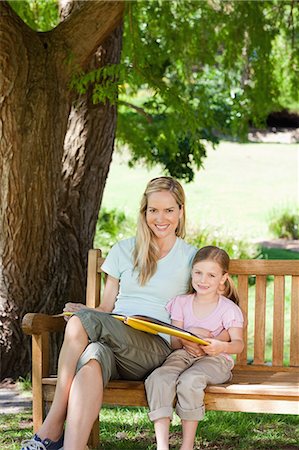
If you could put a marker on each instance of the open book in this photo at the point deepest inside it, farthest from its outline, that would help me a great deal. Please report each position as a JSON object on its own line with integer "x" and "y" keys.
{"x": 155, "y": 326}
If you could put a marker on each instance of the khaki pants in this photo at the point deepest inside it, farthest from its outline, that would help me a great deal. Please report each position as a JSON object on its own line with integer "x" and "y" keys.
{"x": 122, "y": 351}
{"x": 184, "y": 378}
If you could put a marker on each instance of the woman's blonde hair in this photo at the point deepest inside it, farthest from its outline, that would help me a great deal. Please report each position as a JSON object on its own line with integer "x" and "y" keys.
{"x": 146, "y": 253}
{"x": 218, "y": 255}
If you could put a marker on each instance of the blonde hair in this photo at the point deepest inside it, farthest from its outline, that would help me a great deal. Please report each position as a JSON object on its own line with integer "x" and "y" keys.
{"x": 146, "y": 252}
{"x": 218, "y": 255}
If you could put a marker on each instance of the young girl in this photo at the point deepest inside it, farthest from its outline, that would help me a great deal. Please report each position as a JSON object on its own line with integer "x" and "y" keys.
{"x": 210, "y": 310}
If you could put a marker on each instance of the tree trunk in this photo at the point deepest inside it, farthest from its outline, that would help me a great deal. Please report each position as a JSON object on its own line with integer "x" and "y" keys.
{"x": 54, "y": 159}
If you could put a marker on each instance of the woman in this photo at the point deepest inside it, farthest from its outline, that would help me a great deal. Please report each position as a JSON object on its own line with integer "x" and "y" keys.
{"x": 143, "y": 274}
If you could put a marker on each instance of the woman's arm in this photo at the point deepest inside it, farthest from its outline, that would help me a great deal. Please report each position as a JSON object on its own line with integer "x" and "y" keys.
{"x": 108, "y": 300}
{"x": 109, "y": 295}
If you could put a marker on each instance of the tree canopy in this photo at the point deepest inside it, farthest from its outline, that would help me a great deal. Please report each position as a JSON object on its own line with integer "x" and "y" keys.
{"x": 192, "y": 71}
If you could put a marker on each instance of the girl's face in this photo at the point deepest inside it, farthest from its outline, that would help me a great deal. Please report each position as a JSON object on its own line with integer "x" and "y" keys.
{"x": 163, "y": 214}
{"x": 207, "y": 278}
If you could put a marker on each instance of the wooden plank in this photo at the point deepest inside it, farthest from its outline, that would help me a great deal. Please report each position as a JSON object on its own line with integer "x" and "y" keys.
{"x": 260, "y": 320}
{"x": 45, "y": 355}
{"x": 278, "y": 321}
{"x": 37, "y": 368}
{"x": 37, "y": 323}
{"x": 294, "y": 338}
{"x": 243, "y": 294}
{"x": 94, "y": 437}
{"x": 264, "y": 267}
{"x": 93, "y": 279}
{"x": 261, "y": 405}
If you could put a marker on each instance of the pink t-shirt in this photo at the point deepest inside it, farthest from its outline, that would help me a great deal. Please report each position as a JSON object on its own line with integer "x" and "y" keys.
{"x": 226, "y": 314}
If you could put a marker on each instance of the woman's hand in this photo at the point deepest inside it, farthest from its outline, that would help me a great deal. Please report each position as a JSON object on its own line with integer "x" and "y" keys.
{"x": 72, "y": 308}
{"x": 201, "y": 332}
{"x": 192, "y": 348}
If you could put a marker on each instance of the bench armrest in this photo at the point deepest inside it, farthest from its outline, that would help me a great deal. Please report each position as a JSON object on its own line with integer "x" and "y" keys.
{"x": 36, "y": 323}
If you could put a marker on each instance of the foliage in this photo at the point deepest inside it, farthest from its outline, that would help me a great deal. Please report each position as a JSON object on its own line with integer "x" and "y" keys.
{"x": 112, "y": 226}
{"x": 237, "y": 248}
{"x": 285, "y": 224}
{"x": 41, "y": 15}
{"x": 192, "y": 71}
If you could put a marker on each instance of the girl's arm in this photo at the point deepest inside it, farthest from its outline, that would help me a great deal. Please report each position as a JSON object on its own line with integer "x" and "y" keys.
{"x": 108, "y": 300}
{"x": 235, "y": 345}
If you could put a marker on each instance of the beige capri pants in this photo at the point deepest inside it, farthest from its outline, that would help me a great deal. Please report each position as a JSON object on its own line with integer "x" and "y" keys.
{"x": 121, "y": 351}
{"x": 183, "y": 377}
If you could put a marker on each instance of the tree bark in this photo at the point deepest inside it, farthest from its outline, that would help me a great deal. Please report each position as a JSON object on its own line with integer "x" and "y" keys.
{"x": 55, "y": 152}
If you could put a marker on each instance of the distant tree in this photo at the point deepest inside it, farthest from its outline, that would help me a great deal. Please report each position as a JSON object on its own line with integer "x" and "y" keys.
{"x": 188, "y": 71}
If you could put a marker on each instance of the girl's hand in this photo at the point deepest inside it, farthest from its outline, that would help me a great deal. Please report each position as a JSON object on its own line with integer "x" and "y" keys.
{"x": 214, "y": 348}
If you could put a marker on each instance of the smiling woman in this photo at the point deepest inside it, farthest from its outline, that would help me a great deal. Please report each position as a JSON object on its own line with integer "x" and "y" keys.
{"x": 143, "y": 273}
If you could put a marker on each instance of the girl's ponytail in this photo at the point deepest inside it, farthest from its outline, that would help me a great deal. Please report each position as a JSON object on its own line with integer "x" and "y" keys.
{"x": 230, "y": 290}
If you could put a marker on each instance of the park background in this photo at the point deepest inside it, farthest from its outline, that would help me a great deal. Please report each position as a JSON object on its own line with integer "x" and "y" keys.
{"x": 232, "y": 196}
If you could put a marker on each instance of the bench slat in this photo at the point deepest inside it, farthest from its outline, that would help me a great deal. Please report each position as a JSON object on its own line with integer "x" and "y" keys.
{"x": 278, "y": 320}
{"x": 260, "y": 319}
{"x": 263, "y": 267}
{"x": 294, "y": 338}
{"x": 243, "y": 294}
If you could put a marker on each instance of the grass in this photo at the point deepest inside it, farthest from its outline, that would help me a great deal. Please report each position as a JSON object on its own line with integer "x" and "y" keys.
{"x": 238, "y": 189}
{"x": 278, "y": 253}
{"x": 130, "y": 429}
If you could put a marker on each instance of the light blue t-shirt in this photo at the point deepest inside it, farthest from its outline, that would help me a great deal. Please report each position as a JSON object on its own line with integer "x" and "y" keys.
{"x": 170, "y": 279}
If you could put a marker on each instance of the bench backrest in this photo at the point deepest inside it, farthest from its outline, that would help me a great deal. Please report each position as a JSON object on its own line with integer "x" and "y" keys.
{"x": 272, "y": 309}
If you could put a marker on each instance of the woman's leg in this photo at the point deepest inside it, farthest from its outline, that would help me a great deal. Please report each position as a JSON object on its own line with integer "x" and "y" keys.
{"x": 75, "y": 341}
{"x": 189, "y": 432}
{"x": 85, "y": 401}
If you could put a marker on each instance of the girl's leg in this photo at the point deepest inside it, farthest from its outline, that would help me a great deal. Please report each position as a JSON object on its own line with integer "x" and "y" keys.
{"x": 162, "y": 433}
{"x": 189, "y": 432}
{"x": 85, "y": 401}
{"x": 75, "y": 341}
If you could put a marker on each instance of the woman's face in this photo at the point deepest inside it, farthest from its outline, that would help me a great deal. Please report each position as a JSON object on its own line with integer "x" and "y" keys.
{"x": 163, "y": 214}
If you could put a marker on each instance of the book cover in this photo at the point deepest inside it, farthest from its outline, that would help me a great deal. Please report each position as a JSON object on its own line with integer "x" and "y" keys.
{"x": 155, "y": 326}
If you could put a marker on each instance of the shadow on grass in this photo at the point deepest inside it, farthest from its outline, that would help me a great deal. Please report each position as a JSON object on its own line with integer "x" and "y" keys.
{"x": 277, "y": 253}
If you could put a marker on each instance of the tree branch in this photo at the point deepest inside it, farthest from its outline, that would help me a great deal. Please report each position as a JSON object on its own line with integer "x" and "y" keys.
{"x": 140, "y": 111}
{"x": 87, "y": 26}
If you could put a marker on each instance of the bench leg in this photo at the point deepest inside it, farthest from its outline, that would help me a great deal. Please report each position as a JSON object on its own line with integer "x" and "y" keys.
{"x": 94, "y": 438}
{"x": 37, "y": 369}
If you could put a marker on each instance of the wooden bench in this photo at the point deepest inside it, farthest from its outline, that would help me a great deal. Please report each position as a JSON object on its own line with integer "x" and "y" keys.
{"x": 258, "y": 385}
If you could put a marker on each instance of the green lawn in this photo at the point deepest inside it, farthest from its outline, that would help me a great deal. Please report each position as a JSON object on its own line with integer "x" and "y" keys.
{"x": 130, "y": 429}
{"x": 238, "y": 189}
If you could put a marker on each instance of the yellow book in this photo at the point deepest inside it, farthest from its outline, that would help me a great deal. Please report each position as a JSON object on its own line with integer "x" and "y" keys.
{"x": 155, "y": 326}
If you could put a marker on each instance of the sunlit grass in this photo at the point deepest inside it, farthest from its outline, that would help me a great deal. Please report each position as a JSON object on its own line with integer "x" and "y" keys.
{"x": 130, "y": 429}
{"x": 237, "y": 191}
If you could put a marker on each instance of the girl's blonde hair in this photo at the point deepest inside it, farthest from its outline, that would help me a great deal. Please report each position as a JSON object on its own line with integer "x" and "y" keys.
{"x": 216, "y": 254}
{"x": 146, "y": 252}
